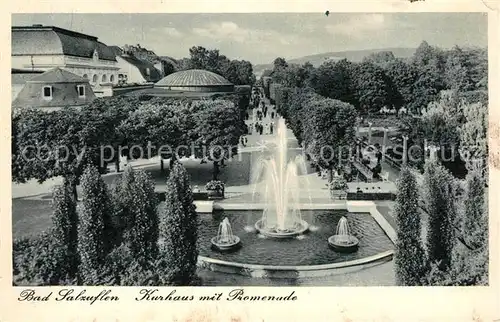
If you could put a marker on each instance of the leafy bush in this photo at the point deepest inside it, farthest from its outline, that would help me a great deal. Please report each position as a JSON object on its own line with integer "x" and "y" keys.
{"x": 215, "y": 185}
{"x": 39, "y": 260}
{"x": 338, "y": 183}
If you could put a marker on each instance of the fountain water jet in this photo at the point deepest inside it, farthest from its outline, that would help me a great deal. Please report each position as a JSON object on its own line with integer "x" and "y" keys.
{"x": 343, "y": 241}
{"x": 278, "y": 179}
{"x": 225, "y": 239}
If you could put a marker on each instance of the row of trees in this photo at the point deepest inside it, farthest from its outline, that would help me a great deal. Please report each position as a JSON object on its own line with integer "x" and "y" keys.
{"x": 455, "y": 248}
{"x": 63, "y": 143}
{"x": 322, "y": 125}
{"x": 382, "y": 80}
{"x": 457, "y": 124}
{"x": 115, "y": 236}
{"x": 238, "y": 72}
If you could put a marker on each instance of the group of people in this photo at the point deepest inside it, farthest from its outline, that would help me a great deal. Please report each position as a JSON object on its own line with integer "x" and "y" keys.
{"x": 268, "y": 128}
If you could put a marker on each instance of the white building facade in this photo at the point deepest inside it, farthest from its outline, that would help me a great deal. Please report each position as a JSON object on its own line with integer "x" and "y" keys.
{"x": 41, "y": 48}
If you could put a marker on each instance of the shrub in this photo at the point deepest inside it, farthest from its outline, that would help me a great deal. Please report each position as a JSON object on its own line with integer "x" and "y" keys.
{"x": 214, "y": 185}
{"x": 39, "y": 261}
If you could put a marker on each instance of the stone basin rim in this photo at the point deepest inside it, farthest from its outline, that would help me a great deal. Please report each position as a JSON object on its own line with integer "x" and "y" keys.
{"x": 357, "y": 262}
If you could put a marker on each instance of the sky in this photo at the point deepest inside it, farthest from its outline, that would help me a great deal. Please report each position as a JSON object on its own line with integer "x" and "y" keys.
{"x": 260, "y": 38}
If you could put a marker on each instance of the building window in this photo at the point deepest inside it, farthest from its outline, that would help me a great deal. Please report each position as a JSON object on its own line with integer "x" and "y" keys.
{"x": 94, "y": 78}
{"x": 104, "y": 78}
{"x": 47, "y": 92}
{"x": 112, "y": 78}
{"x": 85, "y": 76}
{"x": 81, "y": 90}
{"x": 148, "y": 72}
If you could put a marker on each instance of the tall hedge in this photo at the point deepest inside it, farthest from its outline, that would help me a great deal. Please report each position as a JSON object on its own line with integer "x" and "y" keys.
{"x": 94, "y": 226}
{"x": 410, "y": 260}
{"x": 65, "y": 220}
{"x": 440, "y": 205}
{"x": 179, "y": 229}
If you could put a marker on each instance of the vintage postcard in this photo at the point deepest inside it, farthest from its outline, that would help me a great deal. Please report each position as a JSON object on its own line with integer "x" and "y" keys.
{"x": 248, "y": 163}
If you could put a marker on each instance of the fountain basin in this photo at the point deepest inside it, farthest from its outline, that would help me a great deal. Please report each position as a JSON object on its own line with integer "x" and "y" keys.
{"x": 221, "y": 244}
{"x": 301, "y": 227}
{"x": 343, "y": 244}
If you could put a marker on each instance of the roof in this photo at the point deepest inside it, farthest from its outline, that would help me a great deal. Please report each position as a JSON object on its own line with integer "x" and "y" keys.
{"x": 50, "y": 40}
{"x": 193, "y": 77}
{"x": 142, "y": 65}
{"x": 116, "y": 50}
{"x": 57, "y": 75}
{"x": 172, "y": 93}
{"x": 20, "y": 77}
{"x": 64, "y": 90}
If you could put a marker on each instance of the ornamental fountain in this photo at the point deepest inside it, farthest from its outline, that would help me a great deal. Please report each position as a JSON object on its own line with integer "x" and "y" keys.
{"x": 277, "y": 178}
{"x": 225, "y": 239}
{"x": 343, "y": 241}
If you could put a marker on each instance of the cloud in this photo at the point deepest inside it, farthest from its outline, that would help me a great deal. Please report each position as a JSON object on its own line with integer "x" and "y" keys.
{"x": 359, "y": 25}
{"x": 168, "y": 31}
{"x": 225, "y": 30}
{"x": 172, "y": 32}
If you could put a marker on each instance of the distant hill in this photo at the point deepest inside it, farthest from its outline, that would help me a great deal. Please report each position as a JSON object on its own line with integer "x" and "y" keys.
{"x": 351, "y": 55}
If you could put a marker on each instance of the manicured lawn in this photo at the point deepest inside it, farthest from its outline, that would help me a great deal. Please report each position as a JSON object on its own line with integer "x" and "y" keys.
{"x": 30, "y": 217}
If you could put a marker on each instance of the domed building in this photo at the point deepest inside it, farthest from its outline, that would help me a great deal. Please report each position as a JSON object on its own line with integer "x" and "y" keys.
{"x": 195, "y": 80}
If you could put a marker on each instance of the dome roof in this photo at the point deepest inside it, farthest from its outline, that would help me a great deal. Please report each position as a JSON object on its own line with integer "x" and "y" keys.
{"x": 195, "y": 78}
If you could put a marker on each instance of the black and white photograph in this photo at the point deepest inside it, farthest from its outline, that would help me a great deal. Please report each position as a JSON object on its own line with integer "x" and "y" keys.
{"x": 249, "y": 149}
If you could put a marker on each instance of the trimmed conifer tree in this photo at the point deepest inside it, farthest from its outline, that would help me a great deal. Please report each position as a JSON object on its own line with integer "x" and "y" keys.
{"x": 475, "y": 223}
{"x": 410, "y": 260}
{"x": 94, "y": 226}
{"x": 179, "y": 229}
{"x": 440, "y": 206}
{"x": 143, "y": 236}
{"x": 123, "y": 198}
{"x": 64, "y": 232}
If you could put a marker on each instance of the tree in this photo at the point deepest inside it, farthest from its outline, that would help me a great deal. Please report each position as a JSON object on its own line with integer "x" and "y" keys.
{"x": 279, "y": 63}
{"x": 410, "y": 261}
{"x": 440, "y": 205}
{"x": 240, "y": 72}
{"x": 65, "y": 233}
{"x": 64, "y": 142}
{"x": 373, "y": 89}
{"x": 328, "y": 131}
{"x": 143, "y": 236}
{"x": 381, "y": 58}
{"x": 475, "y": 222}
{"x": 293, "y": 75}
{"x": 211, "y": 60}
{"x": 403, "y": 76}
{"x": 94, "y": 226}
{"x": 179, "y": 229}
{"x": 219, "y": 126}
{"x": 335, "y": 80}
{"x": 473, "y": 136}
{"x": 158, "y": 124}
